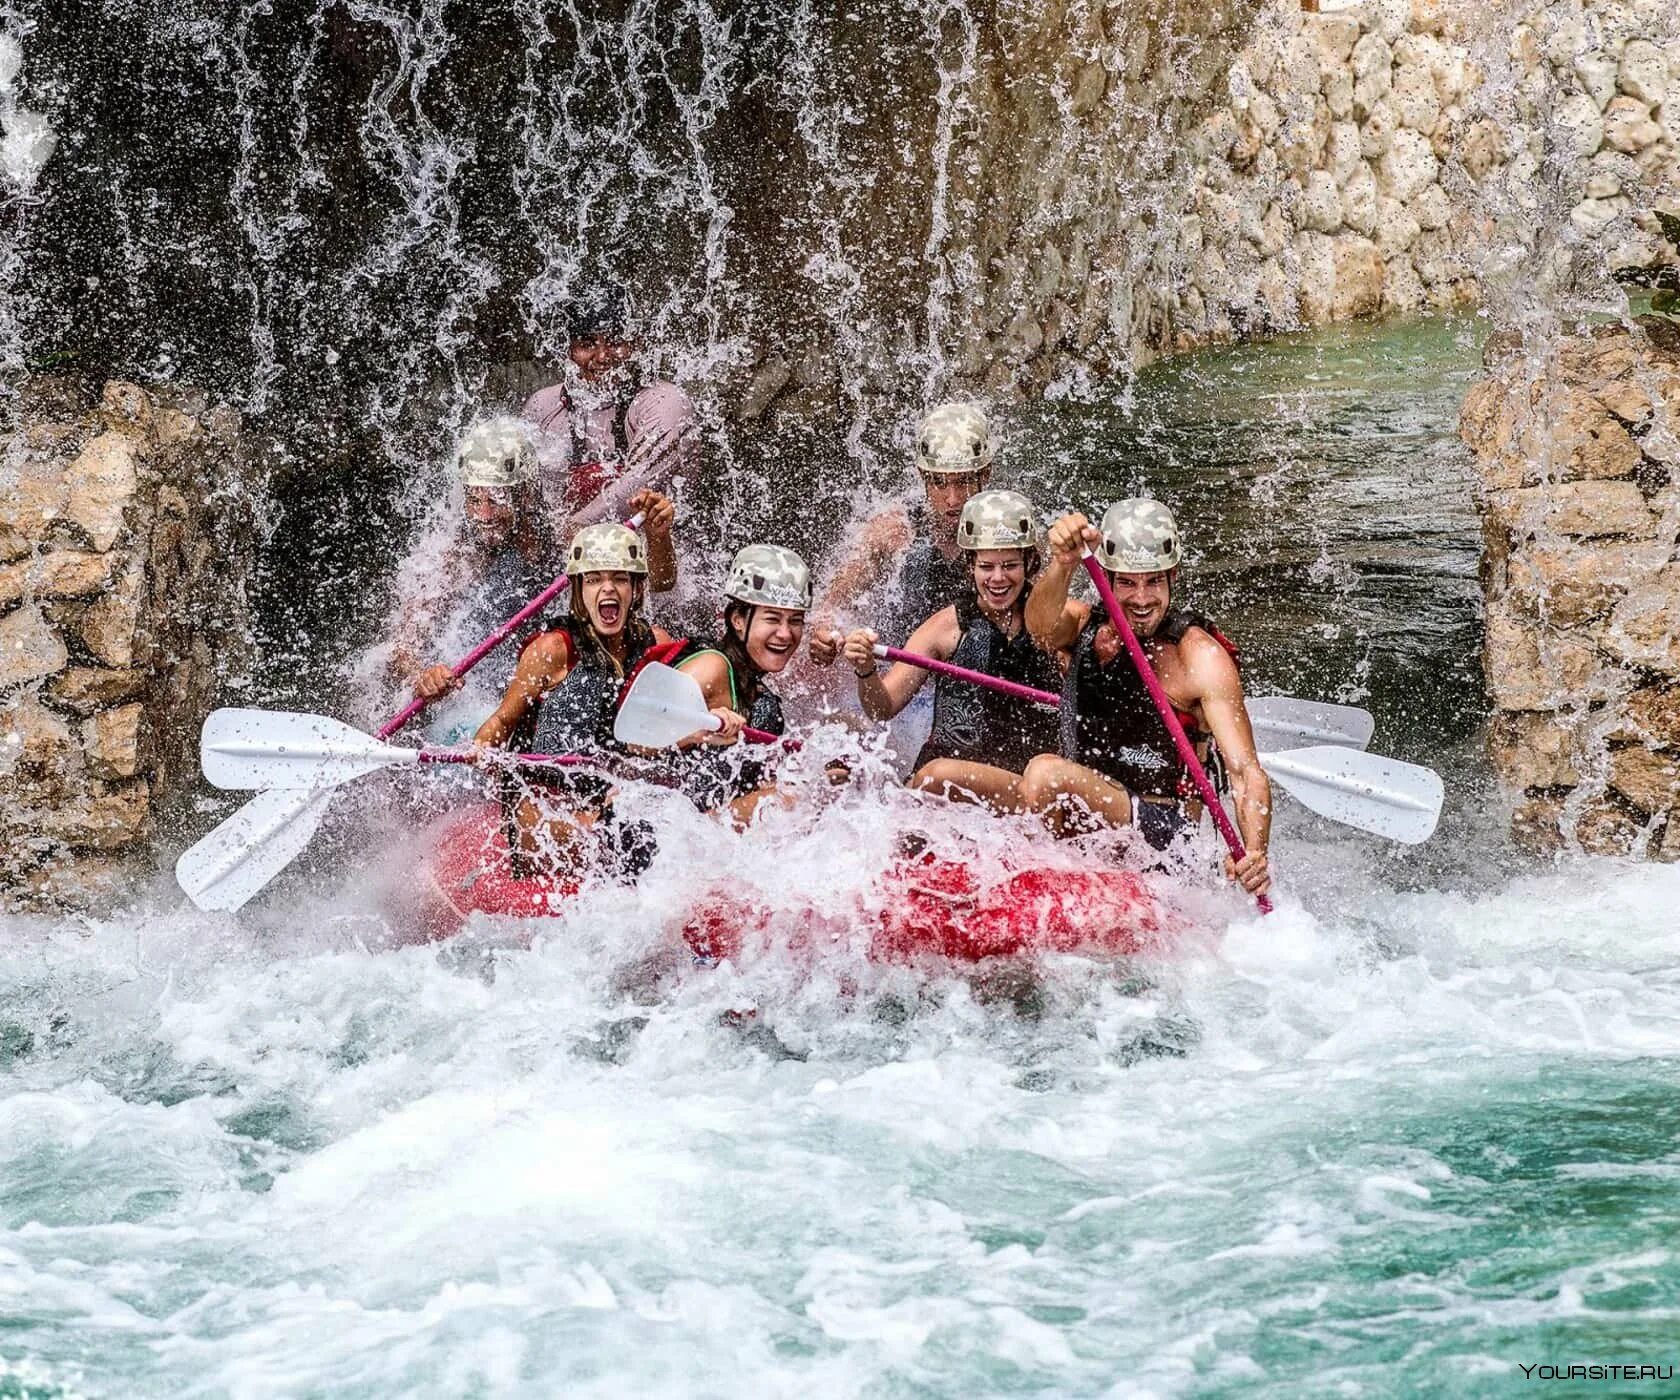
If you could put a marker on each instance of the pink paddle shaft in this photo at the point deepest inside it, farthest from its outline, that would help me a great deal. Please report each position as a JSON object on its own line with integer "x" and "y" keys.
{"x": 1181, "y": 740}
{"x": 488, "y": 645}
{"x": 541, "y": 760}
{"x": 980, "y": 678}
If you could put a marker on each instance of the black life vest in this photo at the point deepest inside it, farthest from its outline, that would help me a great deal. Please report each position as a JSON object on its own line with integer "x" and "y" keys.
{"x": 577, "y": 715}
{"x": 506, "y": 584}
{"x": 977, "y": 725}
{"x": 713, "y": 776}
{"x": 927, "y": 580}
{"x": 1109, "y": 723}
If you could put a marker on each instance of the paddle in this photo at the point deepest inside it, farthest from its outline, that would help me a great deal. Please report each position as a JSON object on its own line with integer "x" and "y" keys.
{"x": 1279, "y": 721}
{"x": 1163, "y": 707}
{"x": 242, "y": 748}
{"x": 1384, "y": 796}
{"x": 663, "y": 706}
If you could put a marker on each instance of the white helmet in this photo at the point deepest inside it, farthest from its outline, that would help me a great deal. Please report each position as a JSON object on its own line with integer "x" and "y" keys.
{"x": 766, "y": 575}
{"x": 498, "y": 453}
{"x": 608, "y": 548}
{"x": 997, "y": 520}
{"x": 1139, "y": 536}
{"x": 955, "y": 437}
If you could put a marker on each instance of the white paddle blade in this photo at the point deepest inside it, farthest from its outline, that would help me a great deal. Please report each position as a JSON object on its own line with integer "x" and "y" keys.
{"x": 1384, "y": 796}
{"x": 1281, "y": 722}
{"x": 274, "y": 749}
{"x": 663, "y": 706}
{"x": 224, "y": 869}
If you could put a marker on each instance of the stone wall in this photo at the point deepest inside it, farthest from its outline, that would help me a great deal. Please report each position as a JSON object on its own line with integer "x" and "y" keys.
{"x": 1372, "y": 156}
{"x": 1577, "y": 444}
{"x": 124, "y": 537}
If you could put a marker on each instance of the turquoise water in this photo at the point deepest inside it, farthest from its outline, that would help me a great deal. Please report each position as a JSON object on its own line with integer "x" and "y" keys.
{"x": 1414, "y": 1131}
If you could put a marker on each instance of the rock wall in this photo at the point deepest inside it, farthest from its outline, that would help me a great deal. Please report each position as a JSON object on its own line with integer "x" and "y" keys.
{"x": 1577, "y": 441}
{"x": 124, "y": 536}
{"x": 1371, "y": 157}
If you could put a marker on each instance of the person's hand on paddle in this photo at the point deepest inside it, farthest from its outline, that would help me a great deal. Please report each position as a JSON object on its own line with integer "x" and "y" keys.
{"x": 1253, "y": 872}
{"x": 435, "y": 682}
{"x": 730, "y": 731}
{"x": 1071, "y": 535}
{"x": 825, "y": 642}
{"x": 860, "y": 651}
{"x": 657, "y": 513}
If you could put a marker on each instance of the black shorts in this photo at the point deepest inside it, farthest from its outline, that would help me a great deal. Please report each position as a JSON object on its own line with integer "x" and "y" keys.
{"x": 1160, "y": 822}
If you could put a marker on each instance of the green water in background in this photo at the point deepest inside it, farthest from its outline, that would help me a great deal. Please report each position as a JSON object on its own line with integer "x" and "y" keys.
{"x": 1418, "y": 1127}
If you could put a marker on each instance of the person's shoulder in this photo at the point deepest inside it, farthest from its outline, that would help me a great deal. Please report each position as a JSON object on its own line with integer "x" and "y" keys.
{"x": 545, "y": 403}
{"x": 1205, "y": 654}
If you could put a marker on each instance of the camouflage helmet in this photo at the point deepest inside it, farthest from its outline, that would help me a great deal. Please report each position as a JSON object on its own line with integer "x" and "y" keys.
{"x": 766, "y": 575}
{"x": 606, "y": 548}
{"x": 1139, "y": 536}
{"x": 997, "y": 520}
{"x": 499, "y": 453}
{"x": 955, "y": 437}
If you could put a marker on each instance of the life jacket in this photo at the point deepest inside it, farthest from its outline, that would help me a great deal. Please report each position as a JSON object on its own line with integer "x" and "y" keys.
{"x": 976, "y": 725}
{"x": 507, "y": 583}
{"x": 712, "y": 776}
{"x": 1109, "y": 723}
{"x": 927, "y": 580}
{"x": 594, "y": 465}
{"x": 577, "y": 715}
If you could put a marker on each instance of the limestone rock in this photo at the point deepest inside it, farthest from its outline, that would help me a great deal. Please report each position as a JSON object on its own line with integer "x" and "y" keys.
{"x": 1322, "y": 206}
{"x": 84, "y": 689}
{"x": 62, "y": 574}
{"x": 1359, "y": 201}
{"x": 1481, "y": 148}
{"x": 1338, "y": 94}
{"x": 1343, "y": 153}
{"x": 1643, "y": 72}
{"x": 1403, "y": 291}
{"x": 1390, "y": 17}
{"x": 1376, "y": 131}
{"x": 1428, "y": 16}
{"x": 126, "y": 408}
{"x": 1336, "y": 35}
{"x": 103, "y": 821}
{"x": 1534, "y": 750}
{"x": 1590, "y": 509}
{"x": 1628, "y": 125}
{"x": 1316, "y": 277}
{"x": 29, "y": 648}
{"x": 1369, "y": 91}
{"x": 1648, "y": 778}
{"x": 1645, "y": 627}
{"x": 1415, "y": 98}
{"x": 1652, "y": 714}
{"x": 1410, "y": 166}
{"x": 1537, "y": 824}
{"x": 111, "y": 741}
{"x": 1568, "y": 584}
{"x": 100, "y": 483}
{"x": 1274, "y": 232}
{"x": 1524, "y": 675}
{"x": 1572, "y": 435}
{"x": 1359, "y": 279}
{"x": 1397, "y": 230}
{"x": 1604, "y": 828}
{"x": 1371, "y": 54}
{"x": 1596, "y": 71}
{"x": 1579, "y": 126}
{"x": 1431, "y": 208}
{"x": 33, "y": 740}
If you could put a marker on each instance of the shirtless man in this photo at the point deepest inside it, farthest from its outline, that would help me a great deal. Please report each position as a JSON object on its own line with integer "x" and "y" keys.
{"x": 1118, "y": 765}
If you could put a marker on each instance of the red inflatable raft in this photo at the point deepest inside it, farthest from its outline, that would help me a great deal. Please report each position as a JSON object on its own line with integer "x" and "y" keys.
{"x": 925, "y": 906}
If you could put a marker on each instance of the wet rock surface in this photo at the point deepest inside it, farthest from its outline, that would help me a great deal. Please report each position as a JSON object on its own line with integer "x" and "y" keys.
{"x": 1582, "y": 583}
{"x": 128, "y": 534}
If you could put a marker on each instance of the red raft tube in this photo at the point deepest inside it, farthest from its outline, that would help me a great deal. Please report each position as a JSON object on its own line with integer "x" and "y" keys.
{"x": 926, "y": 907}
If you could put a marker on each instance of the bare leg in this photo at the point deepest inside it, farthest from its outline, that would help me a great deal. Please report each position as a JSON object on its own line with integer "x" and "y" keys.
{"x": 560, "y": 839}
{"x": 741, "y": 810}
{"x": 1065, "y": 793}
{"x": 977, "y": 783}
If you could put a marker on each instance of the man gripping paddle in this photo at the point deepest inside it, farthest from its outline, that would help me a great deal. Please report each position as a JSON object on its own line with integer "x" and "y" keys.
{"x": 1118, "y": 765}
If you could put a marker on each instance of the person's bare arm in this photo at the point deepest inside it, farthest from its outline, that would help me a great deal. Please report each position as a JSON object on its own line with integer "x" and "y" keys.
{"x": 712, "y": 672}
{"x": 658, "y": 513}
{"x": 542, "y": 666}
{"x": 1054, "y": 619}
{"x": 884, "y": 693}
{"x": 884, "y": 536}
{"x": 1214, "y": 678}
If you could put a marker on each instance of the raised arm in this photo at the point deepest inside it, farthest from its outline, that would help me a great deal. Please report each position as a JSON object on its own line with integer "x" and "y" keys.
{"x": 658, "y": 513}
{"x": 1054, "y": 619}
{"x": 542, "y": 666}
{"x": 1219, "y": 689}
{"x": 882, "y": 537}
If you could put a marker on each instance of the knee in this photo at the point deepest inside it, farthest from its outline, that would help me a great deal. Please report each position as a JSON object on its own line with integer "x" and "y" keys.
{"x": 1038, "y": 786}
{"x": 931, "y": 777}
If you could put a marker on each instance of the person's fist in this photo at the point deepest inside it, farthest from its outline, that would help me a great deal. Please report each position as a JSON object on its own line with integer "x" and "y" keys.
{"x": 656, "y": 511}
{"x": 1071, "y": 534}
{"x": 824, "y": 645}
{"x": 1253, "y": 872}
{"x": 435, "y": 682}
{"x": 860, "y": 651}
